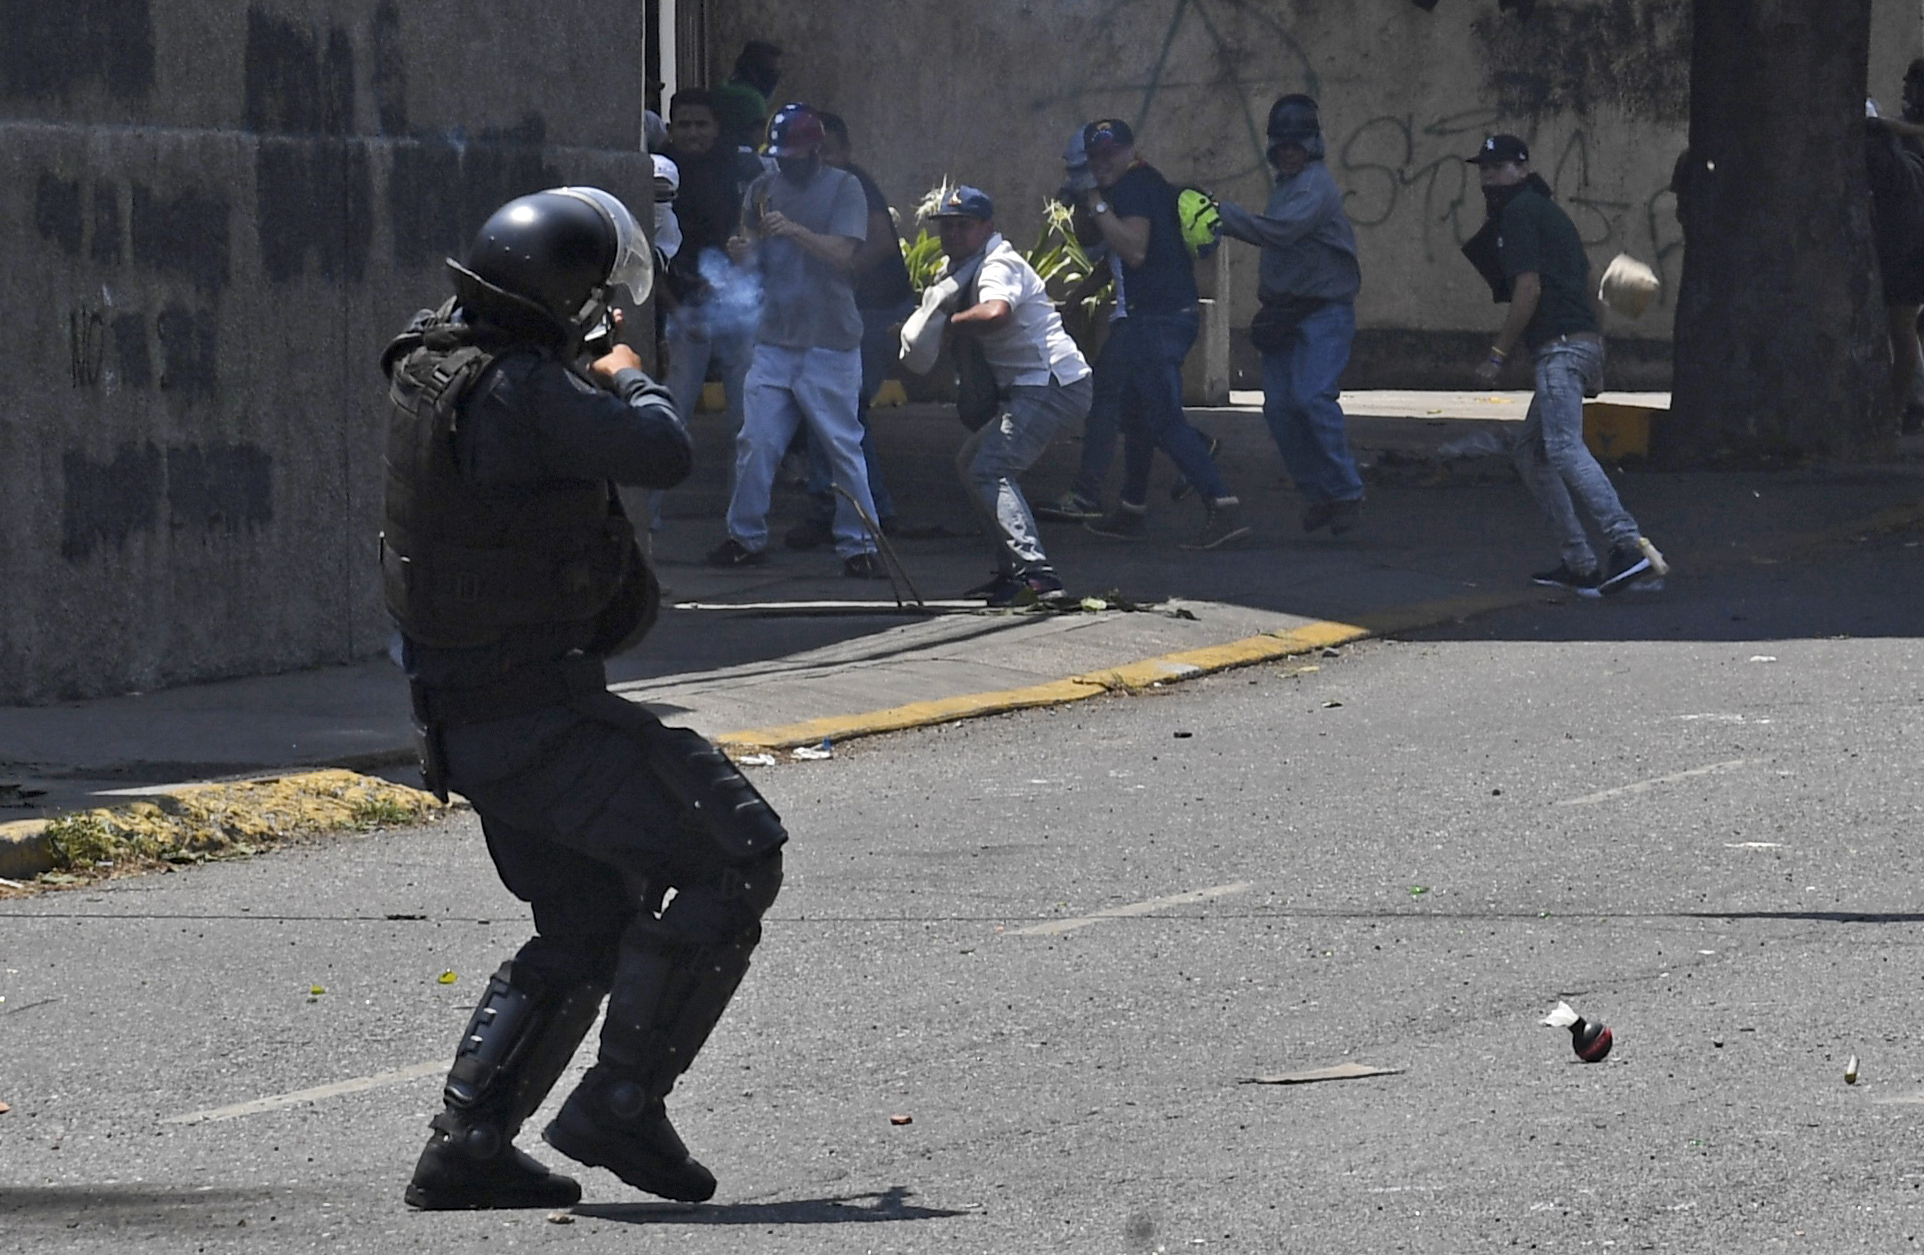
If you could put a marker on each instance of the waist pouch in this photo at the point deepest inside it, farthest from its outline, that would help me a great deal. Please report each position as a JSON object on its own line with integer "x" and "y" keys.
{"x": 1277, "y": 320}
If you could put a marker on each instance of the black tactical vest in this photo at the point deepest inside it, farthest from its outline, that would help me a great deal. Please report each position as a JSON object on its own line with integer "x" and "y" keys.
{"x": 464, "y": 563}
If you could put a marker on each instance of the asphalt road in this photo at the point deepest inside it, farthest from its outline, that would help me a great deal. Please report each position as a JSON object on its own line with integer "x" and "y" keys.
{"x": 1693, "y": 815}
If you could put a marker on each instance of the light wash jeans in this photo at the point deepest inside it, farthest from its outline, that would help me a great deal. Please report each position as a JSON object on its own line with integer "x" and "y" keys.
{"x": 1300, "y": 386}
{"x": 1002, "y": 449}
{"x": 1553, "y": 460}
{"x": 692, "y": 344}
{"x": 881, "y": 342}
{"x": 786, "y": 388}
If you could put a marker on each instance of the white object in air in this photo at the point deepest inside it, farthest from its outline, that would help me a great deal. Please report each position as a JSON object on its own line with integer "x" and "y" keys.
{"x": 1628, "y": 286}
{"x": 1561, "y": 1016}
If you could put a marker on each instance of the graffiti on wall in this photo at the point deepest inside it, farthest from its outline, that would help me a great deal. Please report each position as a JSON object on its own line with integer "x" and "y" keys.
{"x": 1399, "y": 174}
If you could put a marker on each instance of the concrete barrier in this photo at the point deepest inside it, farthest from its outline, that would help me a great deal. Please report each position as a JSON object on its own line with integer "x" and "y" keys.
{"x": 223, "y": 211}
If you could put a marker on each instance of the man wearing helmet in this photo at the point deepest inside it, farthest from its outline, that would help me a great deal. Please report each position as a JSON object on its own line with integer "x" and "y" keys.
{"x": 802, "y": 225}
{"x": 512, "y": 573}
{"x": 1309, "y": 281}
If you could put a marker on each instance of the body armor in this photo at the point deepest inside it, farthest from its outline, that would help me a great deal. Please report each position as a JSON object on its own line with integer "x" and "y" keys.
{"x": 461, "y": 562}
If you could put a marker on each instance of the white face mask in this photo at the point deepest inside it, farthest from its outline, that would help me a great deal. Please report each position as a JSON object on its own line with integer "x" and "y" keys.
{"x": 667, "y": 229}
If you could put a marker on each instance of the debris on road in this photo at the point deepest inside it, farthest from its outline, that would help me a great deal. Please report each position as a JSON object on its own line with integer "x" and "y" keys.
{"x": 815, "y": 752}
{"x": 1331, "y": 705}
{"x": 1850, "y": 1071}
{"x": 315, "y": 991}
{"x": 1184, "y": 736}
{"x": 4, "y": 1109}
{"x": 561, "y": 1217}
{"x": 901, "y": 1120}
{"x": 1335, "y": 1072}
{"x": 1417, "y": 891}
{"x": 756, "y": 760}
{"x": 1763, "y": 657}
{"x": 1591, "y": 1041}
{"x": 446, "y": 978}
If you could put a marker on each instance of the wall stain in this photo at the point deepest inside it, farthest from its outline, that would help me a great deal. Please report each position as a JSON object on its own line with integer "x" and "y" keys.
{"x": 189, "y": 351}
{"x": 390, "y": 74}
{"x": 131, "y": 354}
{"x": 294, "y": 83}
{"x": 315, "y": 197}
{"x": 185, "y": 235}
{"x": 53, "y": 48}
{"x": 1632, "y": 55}
{"x": 106, "y": 502}
{"x": 441, "y": 189}
{"x": 225, "y": 487}
{"x": 87, "y": 344}
{"x": 56, "y": 211}
{"x": 107, "y": 243}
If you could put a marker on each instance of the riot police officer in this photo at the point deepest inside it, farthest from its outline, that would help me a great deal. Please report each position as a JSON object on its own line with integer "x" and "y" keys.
{"x": 512, "y": 573}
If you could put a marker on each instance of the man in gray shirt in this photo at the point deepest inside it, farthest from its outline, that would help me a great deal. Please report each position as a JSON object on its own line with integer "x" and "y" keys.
{"x": 1309, "y": 281}
{"x": 801, "y": 226}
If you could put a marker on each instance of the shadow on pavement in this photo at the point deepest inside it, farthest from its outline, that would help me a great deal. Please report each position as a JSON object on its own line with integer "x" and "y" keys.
{"x": 117, "y": 1206}
{"x": 891, "y": 1204}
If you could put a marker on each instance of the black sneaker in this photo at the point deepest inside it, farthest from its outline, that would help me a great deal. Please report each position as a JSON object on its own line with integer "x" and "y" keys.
{"x": 809, "y": 534}
{"x": 733, "y": 553}
{"x": 865, "y": 566}
{"x": 1121, "y": 523}
{"x": 1037, "y": 584}
{"x": 1318, "y": 514}
{"x": 991, "y": 586}
{"x": 1625, "y": 565}
{"x": 1223, "y": 525}
{"x": 1182, "y": 487}
{"x": 1344, "y": 515}
{"x": 1582, "y": 583}
{"x": 1070, "y": 507}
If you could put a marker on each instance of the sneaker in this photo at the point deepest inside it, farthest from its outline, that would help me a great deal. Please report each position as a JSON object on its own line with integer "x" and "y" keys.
{"x": 865, "y": 566}
{"x": 993, "y": 588}
{"x": 1035, "y": 585}
{"x": 809, "y": 534}
{"x": 1626, "y": 563}
{"x": 1582, "y": 583}
{"x": 1182, "y": 487}
{"x": 1318, "y": 514}
{"x": 1222, "y": 525}
{"x": 1344, "y": 515}
{"x": 733, "y": 553}
{"x": 1070, "y": 507}
{"x": 1121, "y": 523}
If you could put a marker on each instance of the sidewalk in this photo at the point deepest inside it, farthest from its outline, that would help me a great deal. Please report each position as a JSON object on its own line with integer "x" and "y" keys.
{"x": 751, "y": 654}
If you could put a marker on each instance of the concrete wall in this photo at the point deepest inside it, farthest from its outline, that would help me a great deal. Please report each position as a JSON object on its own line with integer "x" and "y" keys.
{"x": 989, "y": 92}
{"x": 219, "y": 211}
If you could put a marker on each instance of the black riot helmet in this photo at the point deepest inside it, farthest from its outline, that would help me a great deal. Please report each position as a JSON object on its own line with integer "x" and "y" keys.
{"x": 552, "y": 260}
{"x": 1293, "y": 120}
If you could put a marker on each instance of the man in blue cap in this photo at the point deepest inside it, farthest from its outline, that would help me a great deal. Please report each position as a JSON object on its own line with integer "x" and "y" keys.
{"x": 1133, "y": 208}
{"x": 1309, "y": 281}
{"x": 1041, "y": 377}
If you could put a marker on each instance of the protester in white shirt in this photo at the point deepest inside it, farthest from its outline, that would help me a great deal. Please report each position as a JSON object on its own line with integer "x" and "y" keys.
{"x": 1042, "y": 380}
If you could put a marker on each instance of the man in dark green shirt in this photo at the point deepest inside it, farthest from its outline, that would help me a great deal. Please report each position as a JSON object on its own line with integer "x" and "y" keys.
{"x": 1532, "y": 257}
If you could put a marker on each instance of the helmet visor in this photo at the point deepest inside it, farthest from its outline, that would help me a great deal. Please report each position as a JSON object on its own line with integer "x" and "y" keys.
{"x": 634, "y": 266}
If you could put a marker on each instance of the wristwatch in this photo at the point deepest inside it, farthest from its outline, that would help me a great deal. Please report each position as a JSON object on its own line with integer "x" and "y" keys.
{"x": 1099, "y": 208}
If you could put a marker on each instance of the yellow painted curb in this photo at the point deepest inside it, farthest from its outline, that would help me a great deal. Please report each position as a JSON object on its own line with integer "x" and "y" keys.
{"x": 1129, "y": 677}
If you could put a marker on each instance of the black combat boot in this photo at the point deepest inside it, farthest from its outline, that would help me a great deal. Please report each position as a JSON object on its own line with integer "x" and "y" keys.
{"x": 516, "y": 1046}
{"x": 613, "y": 1121}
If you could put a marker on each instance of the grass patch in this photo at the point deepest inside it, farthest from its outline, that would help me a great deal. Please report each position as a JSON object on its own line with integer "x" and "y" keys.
{"x": 216, "y": 821}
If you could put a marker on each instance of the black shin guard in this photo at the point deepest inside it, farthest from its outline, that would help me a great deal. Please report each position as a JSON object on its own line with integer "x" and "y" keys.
{"x": 667, "y": 998}
{"x": 516, "y": 1046}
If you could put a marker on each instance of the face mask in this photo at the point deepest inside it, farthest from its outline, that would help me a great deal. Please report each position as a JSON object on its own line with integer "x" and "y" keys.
{"x": 798, "y": 169}
{"x": 1495, "y": 198}
{"x": 667, "y": 229}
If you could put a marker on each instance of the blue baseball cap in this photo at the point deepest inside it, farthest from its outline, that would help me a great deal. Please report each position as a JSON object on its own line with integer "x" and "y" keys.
{"x": 966, "y": 202}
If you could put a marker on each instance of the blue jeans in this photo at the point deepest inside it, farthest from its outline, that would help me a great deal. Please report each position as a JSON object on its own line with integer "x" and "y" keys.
{"x": 1300, "y": 385}
{"x": 1553, "y": 460}
{"x": 1105, "y": 415}
{"x": 1002, "y": 449}
{"x": 1150, "y": 357}
{"x": 881, "y": 343}
{"x": 787, "y": 388}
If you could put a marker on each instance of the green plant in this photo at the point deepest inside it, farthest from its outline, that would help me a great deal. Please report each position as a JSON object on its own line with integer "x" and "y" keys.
{"x": 1057, "y": 256}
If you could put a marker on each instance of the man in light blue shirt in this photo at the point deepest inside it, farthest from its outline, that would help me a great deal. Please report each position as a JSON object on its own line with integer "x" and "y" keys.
{"x": 1309, "y": 281}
